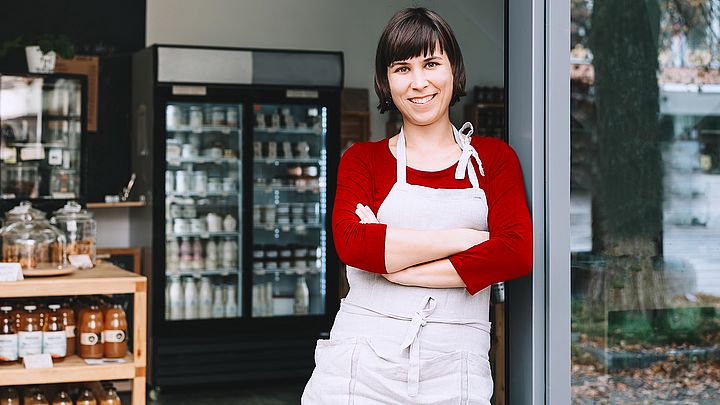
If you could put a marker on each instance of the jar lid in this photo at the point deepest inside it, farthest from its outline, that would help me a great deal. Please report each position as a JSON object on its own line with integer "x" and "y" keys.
{"x": 72, "y": 210}
{"x": 24, "y": 212}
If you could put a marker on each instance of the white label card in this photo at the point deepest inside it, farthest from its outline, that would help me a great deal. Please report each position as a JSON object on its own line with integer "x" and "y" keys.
{"x": 10, "y": 272}
{"x": 55, "y": 157}
{"x": 32, "y": 153}
{"x": 80, "y": 261}
{"x": 38, "y": 361}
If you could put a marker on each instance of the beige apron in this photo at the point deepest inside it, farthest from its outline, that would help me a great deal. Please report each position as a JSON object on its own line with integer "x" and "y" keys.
{"x": 392, "y": 344}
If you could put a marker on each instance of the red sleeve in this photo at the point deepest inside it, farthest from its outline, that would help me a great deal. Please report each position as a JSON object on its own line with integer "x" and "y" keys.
{"x": 508, "y": 253}
{"x": 358, "y": 245}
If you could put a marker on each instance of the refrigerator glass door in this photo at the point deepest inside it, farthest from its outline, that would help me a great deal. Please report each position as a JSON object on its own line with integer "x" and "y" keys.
{"x": 202, "y": 210}
{"x": 289, "y": 210}
{"x": 41, "y": 120}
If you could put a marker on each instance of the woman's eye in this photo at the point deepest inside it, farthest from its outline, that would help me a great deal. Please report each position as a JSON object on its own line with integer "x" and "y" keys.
{"x": 431, "y": 65}
{"x": 402, "y": 69}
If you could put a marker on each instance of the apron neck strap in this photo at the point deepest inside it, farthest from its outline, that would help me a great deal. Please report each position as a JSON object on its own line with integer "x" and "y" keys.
{"x": 401, "y": 159}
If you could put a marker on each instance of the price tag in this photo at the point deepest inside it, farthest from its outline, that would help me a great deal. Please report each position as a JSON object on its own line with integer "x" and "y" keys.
{"x": 10, "y": 272}
{"x": 8, "y": 155}
{"x": 38, "y": 361}
{"x": 55, "y": 157}
{"x": 80, "y": 261}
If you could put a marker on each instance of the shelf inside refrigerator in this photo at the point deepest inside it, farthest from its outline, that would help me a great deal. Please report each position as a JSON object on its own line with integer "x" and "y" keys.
{"x": 277, "y": 161}
{"x": 298, "y": 189}
{"x": 202, "y": 195}
{"x": 202, "y": 160}
{"x": 206, "y": 129}
{"x": 203, "y": 272}
{"x": 289, "y": 131}
{"x": 201, "y": 235}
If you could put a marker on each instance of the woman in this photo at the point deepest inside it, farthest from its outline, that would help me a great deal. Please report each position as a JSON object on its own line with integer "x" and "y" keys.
{"x": 425, "y": 227}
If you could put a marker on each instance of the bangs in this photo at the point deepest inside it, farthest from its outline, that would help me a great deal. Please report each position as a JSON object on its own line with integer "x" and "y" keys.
{"x": 413, "y": 38}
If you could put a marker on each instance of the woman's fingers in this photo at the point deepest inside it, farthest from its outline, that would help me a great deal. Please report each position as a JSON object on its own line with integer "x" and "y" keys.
{"x": 365, "y": 214}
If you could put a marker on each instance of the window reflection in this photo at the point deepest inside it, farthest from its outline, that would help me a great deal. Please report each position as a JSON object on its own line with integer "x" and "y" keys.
{"x": 645, "y": 186}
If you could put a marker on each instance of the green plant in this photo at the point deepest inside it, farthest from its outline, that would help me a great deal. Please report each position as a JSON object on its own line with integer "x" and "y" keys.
{"x": 59, "y": 43}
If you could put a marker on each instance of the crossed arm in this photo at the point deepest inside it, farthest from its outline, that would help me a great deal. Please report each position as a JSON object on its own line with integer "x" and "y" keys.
{"x": 419, "y": 258}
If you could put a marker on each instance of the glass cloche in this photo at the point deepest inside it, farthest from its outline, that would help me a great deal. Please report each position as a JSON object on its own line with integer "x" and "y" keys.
{"x": 24, "y": 208}
{"x": 80, "y": 229}
{"x": 32, "y": 241}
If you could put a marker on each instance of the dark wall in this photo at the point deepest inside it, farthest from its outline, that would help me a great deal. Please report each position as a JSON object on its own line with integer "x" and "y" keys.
{"x": 112, "y": 30}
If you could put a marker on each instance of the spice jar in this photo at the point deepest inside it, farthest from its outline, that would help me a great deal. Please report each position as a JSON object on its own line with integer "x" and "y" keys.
{"x": 79, "y": 227}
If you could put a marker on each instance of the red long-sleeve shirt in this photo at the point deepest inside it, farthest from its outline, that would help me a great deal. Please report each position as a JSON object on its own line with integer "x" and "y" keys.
{"x": 366, "y": 174}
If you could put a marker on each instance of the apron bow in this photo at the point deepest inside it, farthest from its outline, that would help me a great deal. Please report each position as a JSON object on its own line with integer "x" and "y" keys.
{"x": 468, "y": 152}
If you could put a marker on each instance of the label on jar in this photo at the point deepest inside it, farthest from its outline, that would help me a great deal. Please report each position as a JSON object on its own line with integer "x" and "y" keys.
{"x": 70, "y": 331}
{"x": 90, "y": 339}
{"x": 8, "y": 347}
{"x": 71, "y": 225}
{"x": 55, "y": 343}
{"x": 114, "y": 336}
{"x": 29, "y": 343}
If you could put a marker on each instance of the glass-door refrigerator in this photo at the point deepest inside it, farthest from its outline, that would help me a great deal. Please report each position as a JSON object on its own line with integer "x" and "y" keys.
{"x": 236, "y": 151}
{"x": 42, "y": 122}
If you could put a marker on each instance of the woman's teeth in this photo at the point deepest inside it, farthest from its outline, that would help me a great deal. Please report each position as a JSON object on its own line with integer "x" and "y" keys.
{"x": 422, "y": 100}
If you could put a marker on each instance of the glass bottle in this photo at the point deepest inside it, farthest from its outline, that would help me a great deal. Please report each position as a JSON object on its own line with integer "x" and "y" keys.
{"x": 218, "y": 305}
{"x": 115, "y": 334}
{"x": 38, "y": 398}
{"x": 111, "y": 397}
{"x": 177, "y": 300}
{"x": 91, "y": 327}
{"x": 29, "y": 333}
{"x": 191, "y": 299}
{"x": 8, "y": 337}
{"x": 9, "y": 396}
{"x": 68, "y": 320}
{"x": 302, "y": 297}
{"x": 54, "y": 335}
{"x": 62, "y": 398}
{"x": 205, "y": 299}
{"x": 86, "y": 398}
{"x": 230, "y": 303}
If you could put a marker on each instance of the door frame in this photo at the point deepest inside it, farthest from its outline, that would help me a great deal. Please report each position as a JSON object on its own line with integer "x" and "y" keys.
{"x": 537, "y": 69}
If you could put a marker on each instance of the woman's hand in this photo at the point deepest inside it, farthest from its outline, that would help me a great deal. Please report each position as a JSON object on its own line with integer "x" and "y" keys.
{"x": 366, "y": 215}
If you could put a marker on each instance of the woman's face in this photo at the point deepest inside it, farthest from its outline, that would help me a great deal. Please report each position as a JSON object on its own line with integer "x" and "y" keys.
{"x": 422, "y": 87}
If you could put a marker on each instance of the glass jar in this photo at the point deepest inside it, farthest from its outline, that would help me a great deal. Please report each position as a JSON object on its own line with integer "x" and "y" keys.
{"x": 64, "y": 183}
{"x": 32, "y": 242}
{"x": 20, "y": 180}
{"x": 79, "y": 227}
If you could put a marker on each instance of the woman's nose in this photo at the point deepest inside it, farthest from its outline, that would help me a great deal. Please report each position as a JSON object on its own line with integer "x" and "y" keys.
{"x": 419, "y": 81}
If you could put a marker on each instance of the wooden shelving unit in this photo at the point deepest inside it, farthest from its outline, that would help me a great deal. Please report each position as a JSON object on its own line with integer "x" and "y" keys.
{"x": 104, "y": 279}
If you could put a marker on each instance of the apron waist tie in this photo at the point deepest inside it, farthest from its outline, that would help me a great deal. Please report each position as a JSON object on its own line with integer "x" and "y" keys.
{"x": 419, "y": 319}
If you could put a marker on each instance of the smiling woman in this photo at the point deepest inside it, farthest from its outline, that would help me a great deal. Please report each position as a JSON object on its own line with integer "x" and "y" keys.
{"x": 411, "y": 219}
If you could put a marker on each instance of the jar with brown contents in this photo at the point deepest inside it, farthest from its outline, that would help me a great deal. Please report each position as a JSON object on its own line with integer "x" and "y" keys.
{"x": 91, "y": 327}
{"x": 115, "y": 333}
{"x": 68, "y": 321}
{"x": 86, "y": 398}
{"x": 30, "y": 332}
{"x": 9, "y": 396}
{"x": 62, "y": 398}
{"x": 8, "y": 338}
{"x": 38, "y": 399}
{"x": 54, "y": 336}
{"x": 110, "y": 398}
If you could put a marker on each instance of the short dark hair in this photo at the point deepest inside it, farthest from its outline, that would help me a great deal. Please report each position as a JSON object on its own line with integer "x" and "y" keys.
{"x": 412, "y": 32}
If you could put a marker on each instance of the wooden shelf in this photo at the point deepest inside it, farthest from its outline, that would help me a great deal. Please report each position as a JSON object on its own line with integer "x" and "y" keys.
{"x": 124, "y": 204}
{"x": 72, "y": 369}
{"x": 104, "y": 278}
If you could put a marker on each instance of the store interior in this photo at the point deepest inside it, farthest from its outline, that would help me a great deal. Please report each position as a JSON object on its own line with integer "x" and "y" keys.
{"x": 197, "y": 194}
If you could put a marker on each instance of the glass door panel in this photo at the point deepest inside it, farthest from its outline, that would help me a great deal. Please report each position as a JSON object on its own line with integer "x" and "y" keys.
{"x": 203, "y": 206}
{"x": 41, "y": 120}
{"x": 645, "y": 181}
{"x": 289, "y": 210}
